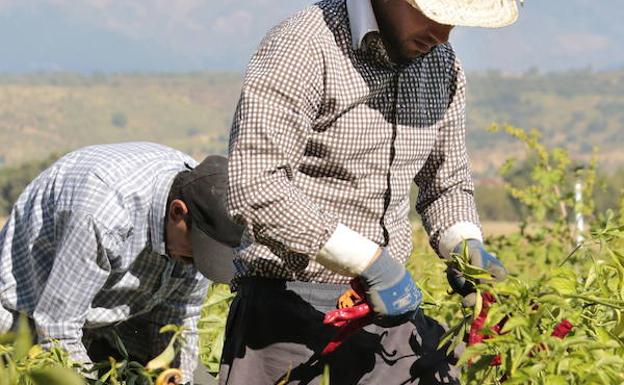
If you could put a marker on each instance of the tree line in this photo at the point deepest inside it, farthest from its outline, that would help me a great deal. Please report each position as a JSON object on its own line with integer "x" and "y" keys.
{"x": 494, "y": 200}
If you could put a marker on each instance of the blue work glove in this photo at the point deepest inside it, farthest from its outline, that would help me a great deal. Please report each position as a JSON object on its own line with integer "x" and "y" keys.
{"x": 390, "y": 291}
{"x": 478, "y": 257}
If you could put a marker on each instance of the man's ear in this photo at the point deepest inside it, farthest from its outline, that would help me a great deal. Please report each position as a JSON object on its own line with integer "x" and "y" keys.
{"x": 177, "y": 210}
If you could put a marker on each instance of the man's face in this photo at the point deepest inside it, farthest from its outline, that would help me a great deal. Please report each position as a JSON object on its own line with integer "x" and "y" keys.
{"x": 178, "y": 238}
{"x": 406, "y": 31}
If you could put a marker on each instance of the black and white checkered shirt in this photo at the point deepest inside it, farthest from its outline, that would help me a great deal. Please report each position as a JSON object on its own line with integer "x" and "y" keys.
{"x": 326, "y": 133}
{"x": 84, "y": 248}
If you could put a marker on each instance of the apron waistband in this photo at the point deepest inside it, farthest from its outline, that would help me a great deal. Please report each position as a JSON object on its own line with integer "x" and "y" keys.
{"x": 316, "y": 294}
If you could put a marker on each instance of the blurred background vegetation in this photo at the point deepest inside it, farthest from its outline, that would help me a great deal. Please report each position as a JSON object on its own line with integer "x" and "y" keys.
{"x": 46, "y": 115}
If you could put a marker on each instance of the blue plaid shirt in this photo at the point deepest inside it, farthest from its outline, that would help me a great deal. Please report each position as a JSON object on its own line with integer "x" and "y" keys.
{"x": 84, "y": 249}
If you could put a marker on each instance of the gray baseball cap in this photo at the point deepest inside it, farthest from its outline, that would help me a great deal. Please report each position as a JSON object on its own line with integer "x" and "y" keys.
{"x": 214, "y": 236}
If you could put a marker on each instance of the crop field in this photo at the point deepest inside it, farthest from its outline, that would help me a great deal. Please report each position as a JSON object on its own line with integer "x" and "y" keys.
{"x": 555, "y": 282}
{"x": 557, "y": 319}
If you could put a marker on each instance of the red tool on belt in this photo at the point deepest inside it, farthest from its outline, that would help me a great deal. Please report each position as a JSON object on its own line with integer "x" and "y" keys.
{"x": 353, "y": 314}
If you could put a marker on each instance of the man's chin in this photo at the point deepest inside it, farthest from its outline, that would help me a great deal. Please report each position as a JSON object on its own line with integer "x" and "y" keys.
{"x": 183, "y": 259}
{"x": 409, "y": 56}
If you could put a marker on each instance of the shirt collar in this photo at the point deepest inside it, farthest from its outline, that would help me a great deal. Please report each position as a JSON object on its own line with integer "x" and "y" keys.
{"x": 158, "y": 211}
{"x": 362, "y": 20}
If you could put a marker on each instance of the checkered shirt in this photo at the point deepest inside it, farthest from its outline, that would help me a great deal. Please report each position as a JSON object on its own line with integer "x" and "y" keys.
{"x": 84, "y": 249}
{"x": 325, "y": 133}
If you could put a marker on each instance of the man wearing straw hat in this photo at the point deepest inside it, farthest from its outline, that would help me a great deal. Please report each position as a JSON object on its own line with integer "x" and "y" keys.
{"x": 343, "y": 106}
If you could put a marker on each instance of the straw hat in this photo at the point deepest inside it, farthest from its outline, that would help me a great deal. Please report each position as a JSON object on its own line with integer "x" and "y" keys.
{"x": 469, "y": 13}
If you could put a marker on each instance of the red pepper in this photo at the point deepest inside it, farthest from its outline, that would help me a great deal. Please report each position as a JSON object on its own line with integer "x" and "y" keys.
{"x": 475, "y": 335}
{"x": 562, "y": 329}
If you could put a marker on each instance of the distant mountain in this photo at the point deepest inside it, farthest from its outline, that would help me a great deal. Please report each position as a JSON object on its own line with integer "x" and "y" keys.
{"x": 580, "y": 111}
{"x": 44, "y": 114}
{"x": 110, "y": 36}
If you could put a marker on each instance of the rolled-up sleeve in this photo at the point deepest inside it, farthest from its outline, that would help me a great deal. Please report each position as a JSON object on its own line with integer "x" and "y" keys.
{"x": 446, "y": 192}
{"x": 280, "y": 99}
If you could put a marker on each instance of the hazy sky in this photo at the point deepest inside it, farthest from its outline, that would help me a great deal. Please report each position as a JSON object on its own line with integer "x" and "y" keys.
{"x": 185, "y": 35}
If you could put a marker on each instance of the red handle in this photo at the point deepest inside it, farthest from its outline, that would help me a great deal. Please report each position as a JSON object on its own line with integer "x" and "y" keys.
{"x": 349, "y": 319}
{"x": 340, "y": 317}
{"x": 347, "y": 328}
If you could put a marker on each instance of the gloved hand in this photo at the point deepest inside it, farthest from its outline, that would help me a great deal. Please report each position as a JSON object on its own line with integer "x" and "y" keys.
{"x": 390, "y": 290}
{"x": 478, "y": 257}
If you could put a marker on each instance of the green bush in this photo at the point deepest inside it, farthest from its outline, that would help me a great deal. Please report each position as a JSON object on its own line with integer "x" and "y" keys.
{"x": 552, "y": 278}
{"x": 13, "y": 181}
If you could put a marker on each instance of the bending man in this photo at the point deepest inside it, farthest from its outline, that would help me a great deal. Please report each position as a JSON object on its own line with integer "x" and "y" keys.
{"x": 109, "y": 237}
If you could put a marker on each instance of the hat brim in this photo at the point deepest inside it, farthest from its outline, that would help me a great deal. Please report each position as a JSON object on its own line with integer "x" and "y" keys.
{"x": 212, "y": 258}
{"x": 483, "y": 13}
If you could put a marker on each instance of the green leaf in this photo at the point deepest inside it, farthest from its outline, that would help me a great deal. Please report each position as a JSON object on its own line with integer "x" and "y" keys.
{"x": 4, "y": 377}
{"x": 325, "y": 377}
{"x": 7, "y": 338}
{"x": 23, "y": 338}
{"x": 618, "y": 329}
{"x": 55, "y": 376}
{"x": 218, "y": 297}
{"x": 515, "y": 322}
{"x": 602, "y": 335}
{"x": 284, "y": 379}
{"x": 555, "y": 380}
{"x": 164, "y": 359}
{"x": 563, "y": 283}
{"x": 478, "y": 304}
{"x": 454, "y": 336}
{"x": 591, "y": 276}
{"x": 169, "y": 329}
{"x": 120, "y": 345}
{"x": 554, "y": 299}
